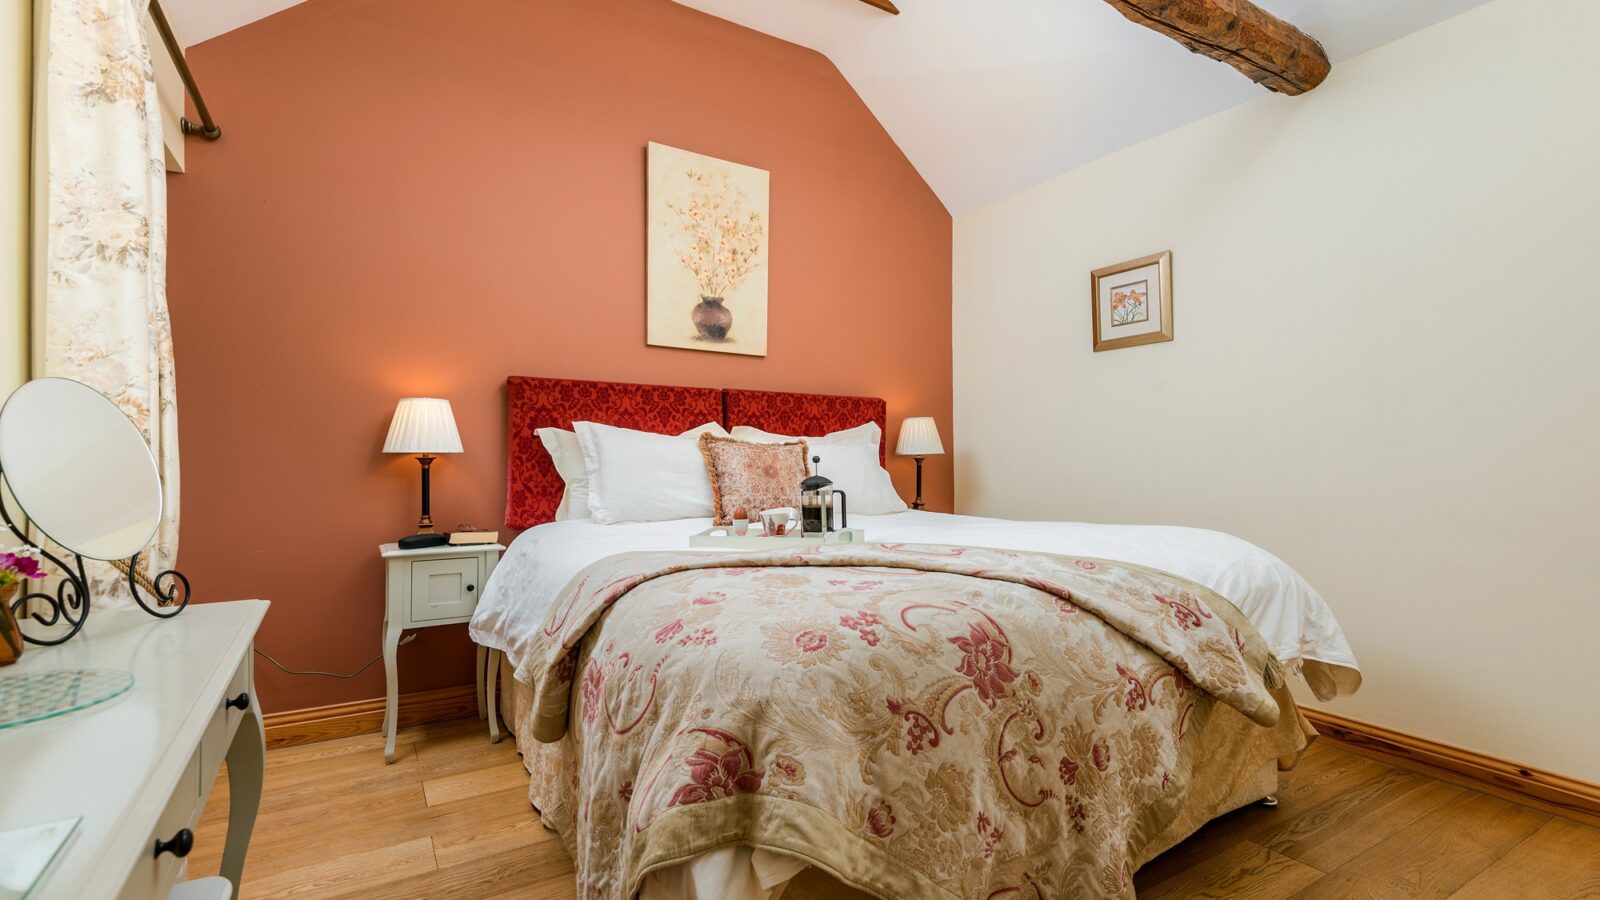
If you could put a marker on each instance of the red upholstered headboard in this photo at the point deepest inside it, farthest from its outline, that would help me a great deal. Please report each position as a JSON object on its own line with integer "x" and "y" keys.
{"x": 803, "y": 414}
{"x": 533, "y": 487}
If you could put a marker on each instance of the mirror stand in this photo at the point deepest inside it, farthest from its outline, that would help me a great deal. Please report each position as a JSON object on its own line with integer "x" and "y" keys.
{"x": 71, "y": 600}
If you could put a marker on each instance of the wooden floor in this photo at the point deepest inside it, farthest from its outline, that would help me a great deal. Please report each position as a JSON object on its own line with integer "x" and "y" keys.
{"x": 451, "y": 818}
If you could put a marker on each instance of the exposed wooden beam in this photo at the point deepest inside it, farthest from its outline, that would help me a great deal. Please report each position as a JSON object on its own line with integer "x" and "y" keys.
{"x": 884, "y": 5}
{"x": 1270, "y": 51}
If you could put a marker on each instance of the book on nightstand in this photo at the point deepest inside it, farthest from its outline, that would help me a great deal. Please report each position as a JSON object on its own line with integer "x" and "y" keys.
{"x": 463, "y": 538}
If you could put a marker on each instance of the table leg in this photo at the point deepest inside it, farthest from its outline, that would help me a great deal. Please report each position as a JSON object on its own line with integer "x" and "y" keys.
{"x": 493, "y": 678}
{"x": 391, "y": 671}
{"x": 247, "y": 758}
{"x": 482, "y": 657}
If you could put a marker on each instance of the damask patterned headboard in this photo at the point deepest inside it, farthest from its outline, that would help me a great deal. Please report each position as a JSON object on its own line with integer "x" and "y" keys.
{"x": 533, "y": 487}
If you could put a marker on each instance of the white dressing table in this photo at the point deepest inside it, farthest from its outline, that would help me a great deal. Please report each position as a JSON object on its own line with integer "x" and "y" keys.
{"x": 138, "y": 768}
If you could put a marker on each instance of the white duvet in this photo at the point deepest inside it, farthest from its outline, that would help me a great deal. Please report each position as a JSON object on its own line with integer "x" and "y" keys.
{"x": 1293, "y": 618}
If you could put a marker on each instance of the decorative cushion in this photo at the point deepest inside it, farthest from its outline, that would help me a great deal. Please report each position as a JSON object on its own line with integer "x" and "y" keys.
{"x": 850, "y": 461}
{"x": 533, "y": 486}
{"x": 754, "y": 476}
{"x": 779, "y": 412}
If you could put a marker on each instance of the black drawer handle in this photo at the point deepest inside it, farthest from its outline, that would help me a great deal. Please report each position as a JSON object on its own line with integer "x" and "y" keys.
{"x": 179, "y": 846}
{"x": 240, "y": 702}
{"x": 471, "y": 588}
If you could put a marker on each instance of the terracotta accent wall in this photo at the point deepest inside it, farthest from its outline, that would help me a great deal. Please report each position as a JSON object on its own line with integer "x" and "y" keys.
{"x": 421, "y": 197}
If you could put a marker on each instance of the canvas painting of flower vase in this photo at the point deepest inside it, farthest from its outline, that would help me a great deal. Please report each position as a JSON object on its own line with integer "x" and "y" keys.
{"x": 706, "y": 254}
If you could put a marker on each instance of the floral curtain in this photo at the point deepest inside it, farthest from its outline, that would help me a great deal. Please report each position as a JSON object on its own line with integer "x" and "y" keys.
{"x": 100, "y": 306}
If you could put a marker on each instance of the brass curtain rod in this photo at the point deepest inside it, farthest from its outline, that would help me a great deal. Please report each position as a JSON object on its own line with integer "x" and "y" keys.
{"x": 208, "y": 127}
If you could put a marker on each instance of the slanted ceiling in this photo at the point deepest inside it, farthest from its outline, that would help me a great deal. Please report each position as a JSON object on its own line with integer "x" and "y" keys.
{"x": 987, "y": 97}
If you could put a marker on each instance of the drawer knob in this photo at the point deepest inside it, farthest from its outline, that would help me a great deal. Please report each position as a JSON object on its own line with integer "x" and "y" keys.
{"x": 179, "y": 846}
{"x": 471, "y": 588}
{"x": 240, "y": 702}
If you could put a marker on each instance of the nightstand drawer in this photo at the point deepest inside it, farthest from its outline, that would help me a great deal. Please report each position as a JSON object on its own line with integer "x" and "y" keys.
{"x": 444, "y": 588}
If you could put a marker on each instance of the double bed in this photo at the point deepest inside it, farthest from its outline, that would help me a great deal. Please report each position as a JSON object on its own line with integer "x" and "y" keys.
{"x": 965, "y": 707}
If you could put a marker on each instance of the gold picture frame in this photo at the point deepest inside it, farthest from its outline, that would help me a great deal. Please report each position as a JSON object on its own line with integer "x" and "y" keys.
{"x": 1125, "y": 313}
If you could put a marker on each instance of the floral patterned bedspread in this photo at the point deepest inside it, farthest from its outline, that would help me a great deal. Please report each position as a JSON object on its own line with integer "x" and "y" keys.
{"x": 920, "y": 721}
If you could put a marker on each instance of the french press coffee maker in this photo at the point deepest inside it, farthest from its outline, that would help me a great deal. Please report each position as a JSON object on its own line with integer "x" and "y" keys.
{"x": 816, "y": 504}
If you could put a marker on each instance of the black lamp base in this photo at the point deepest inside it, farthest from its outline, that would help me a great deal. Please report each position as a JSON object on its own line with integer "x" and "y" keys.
{"x": 425, "y": 537}
{"x": 918, "y": 504}
{"x": 425, "y": 521}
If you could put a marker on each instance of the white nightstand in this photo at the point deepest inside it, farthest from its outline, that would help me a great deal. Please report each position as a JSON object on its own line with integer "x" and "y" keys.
{"x": 432, "y": 586}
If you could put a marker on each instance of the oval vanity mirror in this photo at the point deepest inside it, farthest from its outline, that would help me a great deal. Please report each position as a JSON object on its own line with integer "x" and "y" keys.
{"x": 79, "y": 469}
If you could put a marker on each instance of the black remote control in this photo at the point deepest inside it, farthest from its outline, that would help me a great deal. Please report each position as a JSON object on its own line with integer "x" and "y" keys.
{"x": 419, "y": 541}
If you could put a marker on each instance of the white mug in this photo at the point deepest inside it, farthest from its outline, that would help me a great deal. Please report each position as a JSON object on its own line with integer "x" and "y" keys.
{"x": 773, "y": 519}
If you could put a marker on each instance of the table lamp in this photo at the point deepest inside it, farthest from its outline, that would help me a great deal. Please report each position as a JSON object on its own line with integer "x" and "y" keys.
{"x": 423, "y": 426}
{"x": 919, "y": 437}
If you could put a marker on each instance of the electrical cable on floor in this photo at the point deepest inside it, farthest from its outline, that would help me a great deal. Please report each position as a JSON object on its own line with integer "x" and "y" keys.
{"x": 403, "y": 641}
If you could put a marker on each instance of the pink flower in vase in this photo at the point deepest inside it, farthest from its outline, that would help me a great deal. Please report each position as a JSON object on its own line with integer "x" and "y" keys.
{"x": 15, "y": 566}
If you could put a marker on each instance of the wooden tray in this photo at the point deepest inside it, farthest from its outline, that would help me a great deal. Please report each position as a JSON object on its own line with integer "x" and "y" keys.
{"x": 723, "y": 536}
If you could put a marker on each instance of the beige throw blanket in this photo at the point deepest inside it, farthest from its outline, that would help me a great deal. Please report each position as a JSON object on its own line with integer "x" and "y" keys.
{"x": 919, "y": 721}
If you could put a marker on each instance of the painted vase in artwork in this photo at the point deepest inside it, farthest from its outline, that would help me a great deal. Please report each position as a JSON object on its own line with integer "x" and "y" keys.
{"x": 11, "y": 642}
{"x": 712, "y": 320}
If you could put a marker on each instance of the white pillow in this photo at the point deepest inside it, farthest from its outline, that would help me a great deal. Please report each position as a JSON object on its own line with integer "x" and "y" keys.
{"x": 565, "y": 452}
{"x": 562, "y": 445}
{"x": 640, "y": 476}
{"x": 853, "y": 468}
{"x": 868, "y": 433}
{"x": 850, "y": 461}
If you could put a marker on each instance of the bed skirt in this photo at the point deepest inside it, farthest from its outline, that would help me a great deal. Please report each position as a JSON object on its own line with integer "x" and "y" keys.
{"x": 1241, "y": 765}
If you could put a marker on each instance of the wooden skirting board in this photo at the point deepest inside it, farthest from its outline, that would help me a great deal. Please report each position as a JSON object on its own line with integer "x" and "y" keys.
{"x": 324, "y": 723}
{"x": 1579, "y": 800}
{"x": 1559, "y": 794}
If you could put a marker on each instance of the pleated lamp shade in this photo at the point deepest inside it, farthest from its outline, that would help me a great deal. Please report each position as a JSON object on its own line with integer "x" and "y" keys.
{"x": 423, "y": 425}
{"x": 919, "y": 436}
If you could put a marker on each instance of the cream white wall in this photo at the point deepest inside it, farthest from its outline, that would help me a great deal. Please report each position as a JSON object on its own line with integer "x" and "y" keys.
{"x": 16, "y": 81}
{"x": 1387, "y": 365}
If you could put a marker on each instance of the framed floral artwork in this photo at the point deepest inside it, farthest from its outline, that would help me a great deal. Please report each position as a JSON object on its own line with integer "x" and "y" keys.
{"x": 1132, "y": 302}
{"x": 706, "y": 253}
